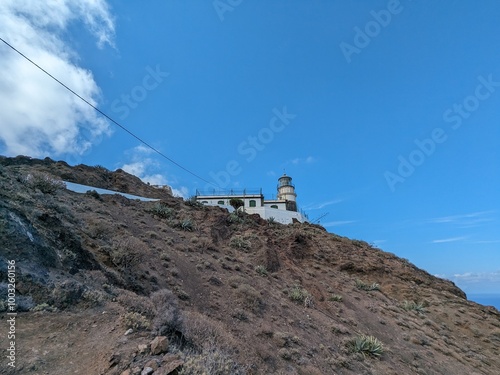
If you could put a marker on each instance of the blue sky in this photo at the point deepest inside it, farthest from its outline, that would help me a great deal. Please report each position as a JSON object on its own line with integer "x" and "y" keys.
{"x": 385, "y": 113}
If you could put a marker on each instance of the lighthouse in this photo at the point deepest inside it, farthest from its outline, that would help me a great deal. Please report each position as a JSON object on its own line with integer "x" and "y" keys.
{"x": 286, "y": 192}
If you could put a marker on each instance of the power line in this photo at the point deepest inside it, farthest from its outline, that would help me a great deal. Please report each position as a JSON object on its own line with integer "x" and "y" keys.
{"x": 108, "y": 117}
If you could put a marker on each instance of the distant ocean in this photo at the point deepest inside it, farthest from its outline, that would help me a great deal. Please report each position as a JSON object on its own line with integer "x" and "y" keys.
{"x": 486, "y": 299}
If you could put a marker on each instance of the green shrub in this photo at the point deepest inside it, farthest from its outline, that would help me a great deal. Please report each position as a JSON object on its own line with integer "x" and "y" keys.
{"x": 187, "y": 225}
{"x": 235, "y": 218}
{"x": 136, "y": 321}
{"x": 366, "y": 345}
{"x": 191, "y": 201}
{"x": 240, "y": 242}
{"x": 414, "y": 306}
{"x": 261, "y": 270}
{"x": 93, "y": 297}
{"x": 162, "y": 210}
{"x": 236, "y": 203}
{"x": 368, "y": 287}
{"x": 335, "y": 298}
{"x": 298, "y": 294}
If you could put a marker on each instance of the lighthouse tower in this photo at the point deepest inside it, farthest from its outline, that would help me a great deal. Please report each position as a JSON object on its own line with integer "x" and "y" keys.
{"x": 286, "y": 192}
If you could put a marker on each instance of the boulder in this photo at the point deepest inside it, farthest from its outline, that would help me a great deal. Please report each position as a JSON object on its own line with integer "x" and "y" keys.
{"x": 153, "y": 364}
{"x": 142, "y": 348}
{"x": 159, "y": 345}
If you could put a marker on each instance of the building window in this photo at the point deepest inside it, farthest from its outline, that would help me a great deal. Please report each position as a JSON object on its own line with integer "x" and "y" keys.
{"x": 204, "y": 202}
{"x": 220, "y": 202}
{"x": 274, "y": 206}
{"x": 253, "y": 203}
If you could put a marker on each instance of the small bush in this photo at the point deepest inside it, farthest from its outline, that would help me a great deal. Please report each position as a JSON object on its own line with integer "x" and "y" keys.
{"x": 240, "y": 315}
{"x": 44, "y": 183}
{"x": 136, "y": 321}
{"x": 44, "y": 307}
{"x": 250, "y": 298}
{"x": 181, "y": 293}
{"x": 128, "y": 253}
{"x": 187, "y": 225}
{"x": 162, "y": 210}
{"x": 366, "y": 345}
{"x": 240, "y": 242}
{"x": 165, "y": 255}
{"x": 235, "y": 218}
{"x": 168, "y": 319}
{"x": 335, "y": 298}
{"x": 98, "y": 229}
{"x": 368, "y": 287}
{"x": 414, "y": 306}
{"x": 271, "y": 220}
{"x": 67, "y": 293}
{"x": 136, "y": 303}
{"x": 261, "y": 270}
{"x": 93, "y": 297}
{"x": 210, "y": 361}
{"x": 203, "y": 333}
{"x": 93, "y": 194}
{"x": 298, "y": 294}
{"x": 191, "y": 201}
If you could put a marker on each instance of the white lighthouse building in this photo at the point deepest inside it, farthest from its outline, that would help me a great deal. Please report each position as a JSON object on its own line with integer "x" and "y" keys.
{"x": 286, "y": 192}
{"x": 283, "y": 209}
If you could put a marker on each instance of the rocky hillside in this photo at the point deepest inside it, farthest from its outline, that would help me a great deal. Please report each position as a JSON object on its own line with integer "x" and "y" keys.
{"x": 107, "y": 285}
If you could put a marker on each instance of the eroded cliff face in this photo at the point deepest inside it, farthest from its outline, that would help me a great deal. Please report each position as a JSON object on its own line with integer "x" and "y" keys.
{"x": 199, "y": 290}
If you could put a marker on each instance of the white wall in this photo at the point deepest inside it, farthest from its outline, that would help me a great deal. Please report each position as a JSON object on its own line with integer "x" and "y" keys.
{"x": 281, "y": 216}
{"x": 281, "y": 205}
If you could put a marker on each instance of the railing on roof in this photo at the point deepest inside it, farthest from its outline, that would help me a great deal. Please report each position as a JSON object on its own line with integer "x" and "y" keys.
{"x": 229, "y": 192}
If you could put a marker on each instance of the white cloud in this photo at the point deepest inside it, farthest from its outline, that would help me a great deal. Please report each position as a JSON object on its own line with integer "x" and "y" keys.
{"x": 306, "y": 160}
{"x": 452, "y": 239}
{"x": 40, "y": 117}
{"x": 476, "y": 277}
{"x": 146, "y": 168}
{"x": 468, "y": 220}
{"x": 182, "y": 192}
{"x": 337, "y": 223}
{"x": 475, "y": 282}
{"x": 319, "y": 206}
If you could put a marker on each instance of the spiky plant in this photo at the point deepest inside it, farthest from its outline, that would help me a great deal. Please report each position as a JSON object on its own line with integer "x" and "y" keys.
{"x": 366, "y": 345}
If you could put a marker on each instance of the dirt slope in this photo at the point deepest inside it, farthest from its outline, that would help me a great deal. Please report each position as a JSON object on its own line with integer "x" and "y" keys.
{"x": 233, "y": 294}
